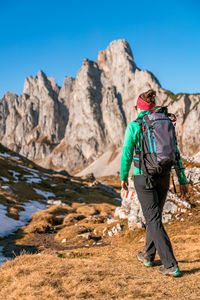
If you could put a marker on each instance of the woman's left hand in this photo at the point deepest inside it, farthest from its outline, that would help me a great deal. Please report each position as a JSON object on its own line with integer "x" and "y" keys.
{"x": 183, "y": 189}
{"x": 124, "y": 184}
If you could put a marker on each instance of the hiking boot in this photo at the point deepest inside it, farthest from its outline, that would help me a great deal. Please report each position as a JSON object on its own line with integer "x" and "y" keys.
{"x": 141, "y": 257}
{"x": 173, "y": 271}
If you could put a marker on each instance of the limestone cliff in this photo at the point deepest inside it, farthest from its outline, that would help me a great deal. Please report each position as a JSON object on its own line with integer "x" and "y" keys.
{"x": 76, "y": 125}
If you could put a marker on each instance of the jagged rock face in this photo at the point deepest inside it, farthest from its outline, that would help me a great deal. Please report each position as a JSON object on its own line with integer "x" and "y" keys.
{"x": 66, "y": 91}
{"x": 119, "y": 70}
{"x": 70, "y": 127}
{"x": 34, "y": 123}
{"x": 187, "y": 110}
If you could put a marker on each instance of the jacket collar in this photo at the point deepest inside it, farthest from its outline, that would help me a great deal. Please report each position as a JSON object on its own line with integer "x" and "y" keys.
{"x": 142, "y": 114}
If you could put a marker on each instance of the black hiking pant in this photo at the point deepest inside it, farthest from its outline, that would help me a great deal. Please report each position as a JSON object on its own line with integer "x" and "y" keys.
{"x": 152, "y": 202}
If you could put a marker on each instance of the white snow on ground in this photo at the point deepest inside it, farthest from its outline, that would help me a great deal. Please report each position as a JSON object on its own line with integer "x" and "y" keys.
{"x": 30, "y": 208}
{"x": 118, "y": 199}
{"x": 14, "y": 175}
{"x": 48, "y": 175}
{"x": 28, "y": 169}
{"x": 8, "y": 155}
{"x": 3, "y": 259}
{"x": 34, "y": 173}
{"x": 45, "y": 194}
{"x": 32, "y": 178}
{"x": 4, "y": 154}
{"x": 9, "y": 225}
{"x": 15, "y": 157}
{"x": 4, "y": 179}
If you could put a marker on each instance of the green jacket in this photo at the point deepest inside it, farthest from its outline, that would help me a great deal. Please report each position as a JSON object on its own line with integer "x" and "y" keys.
{"x": 130, "y": 141}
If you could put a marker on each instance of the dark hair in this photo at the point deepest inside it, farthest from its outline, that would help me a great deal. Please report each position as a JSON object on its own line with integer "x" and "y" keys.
{"x": 149, "y": 96}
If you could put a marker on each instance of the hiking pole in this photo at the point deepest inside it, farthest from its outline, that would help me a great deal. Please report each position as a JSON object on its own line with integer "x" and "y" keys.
{"x": 174, "y": 184}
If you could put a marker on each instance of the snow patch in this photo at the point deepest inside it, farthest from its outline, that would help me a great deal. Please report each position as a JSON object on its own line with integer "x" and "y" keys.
{"x": 30, "y": 208}
{"x": 32, "y": 179}
{"x": 4, "y": 179}
{"x": 28, "y": 169}
{"x": 45, "y": 194}
{"x": 14, "y": 175}
{"x": 9, "y": 225}
{"x": 6, "y": 155}
{"x": 118, "y": 199}
{"x": 3, "y": 259}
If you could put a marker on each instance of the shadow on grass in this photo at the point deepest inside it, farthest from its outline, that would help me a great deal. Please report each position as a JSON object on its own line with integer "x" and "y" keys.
{"x": 157, "y": 263}
{"x": 189, "y": 261}
{"x": 193, "y": 271}
{"x": 13, "y": 251}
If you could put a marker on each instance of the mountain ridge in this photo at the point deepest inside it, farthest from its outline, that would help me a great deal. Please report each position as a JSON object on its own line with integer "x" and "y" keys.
{"x": 69, "y": 127}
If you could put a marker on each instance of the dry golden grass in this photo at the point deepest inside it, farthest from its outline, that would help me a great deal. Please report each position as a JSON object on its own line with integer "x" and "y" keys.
{"x": 109, "y": 272}
{"x": 82, "y": 268}
{"x": 71, "y": 223}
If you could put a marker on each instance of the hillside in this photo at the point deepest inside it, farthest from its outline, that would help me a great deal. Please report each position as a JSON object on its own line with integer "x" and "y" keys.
{"x": 75, "y": 248}
{"x": 26, "y": 188}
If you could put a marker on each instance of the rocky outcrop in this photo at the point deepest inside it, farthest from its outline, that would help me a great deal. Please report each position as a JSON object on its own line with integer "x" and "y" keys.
{"x": 34, "y": 123}
{"x": 187, "y": 109}
{"x": 131, "y": 210}
{"x": 73, "y": 126}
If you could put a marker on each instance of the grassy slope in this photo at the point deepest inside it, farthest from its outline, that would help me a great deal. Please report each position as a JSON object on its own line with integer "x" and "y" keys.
{"x": 109, "y": 272}
{"x": 87, "y": 269}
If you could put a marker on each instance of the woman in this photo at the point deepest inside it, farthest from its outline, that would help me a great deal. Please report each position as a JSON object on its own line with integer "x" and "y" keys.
{"x": 152, "y": 200}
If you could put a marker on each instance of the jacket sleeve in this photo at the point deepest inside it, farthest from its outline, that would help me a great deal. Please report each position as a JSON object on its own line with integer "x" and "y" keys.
{"x": 128, "y": 149}
{"x": 179, "y": 168}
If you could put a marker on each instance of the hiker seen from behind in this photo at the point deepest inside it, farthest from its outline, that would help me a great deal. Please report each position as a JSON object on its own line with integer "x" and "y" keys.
{"x": 150, "y": 141}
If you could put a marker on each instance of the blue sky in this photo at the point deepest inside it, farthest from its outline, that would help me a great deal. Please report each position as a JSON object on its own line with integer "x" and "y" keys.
{"x": 56, "y": 36}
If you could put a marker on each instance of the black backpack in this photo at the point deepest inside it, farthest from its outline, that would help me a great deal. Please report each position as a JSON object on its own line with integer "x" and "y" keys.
{"x": 157, "y": 140}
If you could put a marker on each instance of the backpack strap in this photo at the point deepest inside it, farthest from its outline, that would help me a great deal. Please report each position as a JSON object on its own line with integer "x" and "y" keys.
{"x": 138, "y": 154}
{"x": 140, "y": 158}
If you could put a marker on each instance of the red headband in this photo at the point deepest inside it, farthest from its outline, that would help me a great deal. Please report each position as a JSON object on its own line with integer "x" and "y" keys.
{"x": 143, "y": 105}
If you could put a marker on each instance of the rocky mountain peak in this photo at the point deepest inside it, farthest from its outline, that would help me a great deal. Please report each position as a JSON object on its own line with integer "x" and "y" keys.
{"x": 84, "y": 121}
{"x": 40, "y": 86}
{"x": 117, "y": 55}
{"x": 89, "y": 74}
